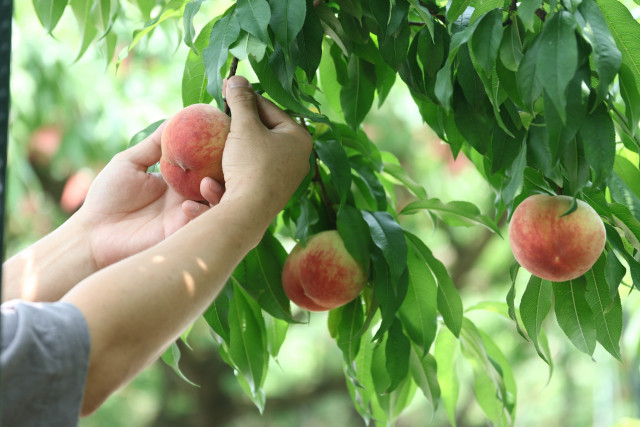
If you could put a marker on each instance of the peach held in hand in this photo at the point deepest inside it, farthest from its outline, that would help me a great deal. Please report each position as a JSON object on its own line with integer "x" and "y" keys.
{"x": 192, "y": 143}
{"x": 554, "y": 246}
{"x": 322, "y": 275}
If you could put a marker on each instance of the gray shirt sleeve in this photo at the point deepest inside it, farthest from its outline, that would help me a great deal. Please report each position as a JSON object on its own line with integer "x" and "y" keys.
{"x": 44, "y": 361}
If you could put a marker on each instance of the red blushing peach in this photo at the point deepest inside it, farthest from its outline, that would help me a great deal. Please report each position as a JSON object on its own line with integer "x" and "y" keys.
{"x": 554, "y": 246}
{"x": 322, "y": 275}
{"x": 192, "y": 143}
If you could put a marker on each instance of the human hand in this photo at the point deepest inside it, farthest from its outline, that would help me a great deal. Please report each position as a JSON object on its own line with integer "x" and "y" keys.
{"x": 266, "y": 154}
{"x": 128, "y": 210}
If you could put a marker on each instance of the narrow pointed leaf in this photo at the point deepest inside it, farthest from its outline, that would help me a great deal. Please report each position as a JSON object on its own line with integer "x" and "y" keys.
{"x": 607, "y": 312}
{"x": 574, "y": 314}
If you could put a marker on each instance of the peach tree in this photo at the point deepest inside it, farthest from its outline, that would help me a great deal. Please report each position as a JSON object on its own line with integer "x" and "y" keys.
{"x": 542, "y": 95}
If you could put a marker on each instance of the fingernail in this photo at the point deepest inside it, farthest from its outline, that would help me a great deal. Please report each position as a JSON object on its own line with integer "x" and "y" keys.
{"x": 238, "y": 81}
{"x": 193, "y": 207}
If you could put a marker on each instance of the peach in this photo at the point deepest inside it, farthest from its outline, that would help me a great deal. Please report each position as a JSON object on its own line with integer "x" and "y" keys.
{"x": 192, "y": 143}
{"x": 554, "y": 246}
{"x": 322, "y": 275}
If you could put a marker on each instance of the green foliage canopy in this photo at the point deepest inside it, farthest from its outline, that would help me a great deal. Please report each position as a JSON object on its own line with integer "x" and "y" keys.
{"x": 542, "y": 95}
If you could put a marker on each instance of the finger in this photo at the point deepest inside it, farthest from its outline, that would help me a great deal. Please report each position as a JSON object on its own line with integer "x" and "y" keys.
{"x": 192, "y": 209}
{"x": 271, "y": 115}
{"x": 241, "y": 99}
{"x": 211, "y": 190}
{"x": 148, "y": 151}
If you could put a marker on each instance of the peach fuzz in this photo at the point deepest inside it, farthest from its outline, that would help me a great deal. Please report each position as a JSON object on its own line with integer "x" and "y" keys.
{"x": 554, "y": 246}
{"x": 192, "y": 143}
{"x": 322, "y": 275}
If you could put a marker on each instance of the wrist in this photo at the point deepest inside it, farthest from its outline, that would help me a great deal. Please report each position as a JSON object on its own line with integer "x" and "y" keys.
{"x": 49, "y": 268}
{"x": 248, "y": 216}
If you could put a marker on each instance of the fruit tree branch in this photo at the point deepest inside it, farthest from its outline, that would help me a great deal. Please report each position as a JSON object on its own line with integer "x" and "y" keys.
{"x": 232, "y": 72}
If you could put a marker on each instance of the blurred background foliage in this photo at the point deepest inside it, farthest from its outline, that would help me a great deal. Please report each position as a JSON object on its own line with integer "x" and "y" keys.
{"x": 68, "y": 118}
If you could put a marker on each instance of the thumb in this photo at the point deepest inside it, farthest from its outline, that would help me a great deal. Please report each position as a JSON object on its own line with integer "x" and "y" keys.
{"x": 241, "y": 99}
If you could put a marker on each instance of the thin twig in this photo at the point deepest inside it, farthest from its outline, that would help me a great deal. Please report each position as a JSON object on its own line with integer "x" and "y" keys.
{"x": 542, "y": 14}
{"x": 232, "y": 72}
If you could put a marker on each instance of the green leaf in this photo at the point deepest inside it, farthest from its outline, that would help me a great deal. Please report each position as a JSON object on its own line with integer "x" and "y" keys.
{"x": 511, "y": 297}
{"x": 400, "y": 174}
{"x": 254, "y": 17}
{"x": 247, "y": 343}
{"x": 456, "y": 8}
{"x": 485, "y": 41}
{"x": 599, "y": 140}
{"x": 511, "y": 46}
{"x": 333, "y": 28}
{"x": 217, "y": 315}
{"x": 629, "y": 224}
{"x": 454, "y": 213}
{"x": 574, "y": 314}
{"x": 332, "y": 154}
{"x": 397, "y": 351}
{"x": 558, "y": 58}
{"x": 173, "y": 9}
{"x": 446, "y": 354}
{"x": 287, "y": 19}
{"x": 194, "y": 78}
{"x": 614, "y": 273}
{"x": 527, "y": 12}
{"x": 349, "y": 325}
{"x": 393, "y": 47}
{"x": 223, "y": 34}
{"x": 276, "y": 330}
{"x": 82, "y": 12}
{"x": 606, "y": 56}
{"x": 607, "y": 312}
{"x": 388, "y": 236}
{"x": 141, "y": 135}
{"x": 389, "y": 293}
{"x": 284, "y": 65}
{"x": 308, "y": 217}
{"x": 424, "y": 14}
{"x": 49, "y": 12}
{"x": 171, "y": 357}
{"x": 449, "y": 301}
{"x": 534, "y": 307}
{"x": 630, "y": 92}
{"x": 190, "y": 10}
{"x": 364, "y": 168}
{"x": 248, "y": 46}
{"x": 419, "y": 310}
{"x": 624, "y": 29}
{"x": 488, "y": 382}
{"x": 274, "y": 88}
{"x": 356, "y": 97}
{"x": 613, "y": 238}
{"x": 503, "y": 368}
{"x": 263, "y": 269}
{"x": 424, "y": 371}
{"x": 360, "y": 384}
{"x": 443, "y": 87}
{"x": 629, "y": 173}
{"x": 309, "y": 41}
{"x": 354, "y": 231}
{"x": 560, "y": 133}
{"x": 528, "y": 76}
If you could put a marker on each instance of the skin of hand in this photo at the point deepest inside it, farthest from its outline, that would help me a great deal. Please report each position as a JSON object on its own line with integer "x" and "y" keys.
{"x": 138, "y": 306}
{"x": 126, "y": 211}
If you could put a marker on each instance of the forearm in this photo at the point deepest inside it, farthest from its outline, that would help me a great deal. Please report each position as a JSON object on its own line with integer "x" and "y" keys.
{"x": 48, "y": 269}
{"x": 137, "y": 307}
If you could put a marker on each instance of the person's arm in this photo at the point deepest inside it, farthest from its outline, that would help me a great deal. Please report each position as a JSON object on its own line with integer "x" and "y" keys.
{"x": 126, "y": 211}
{"x": 138, "y": 306}
{"x": 46, "y": 270}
